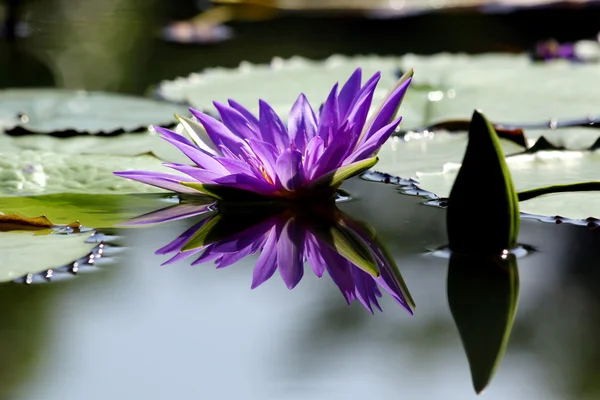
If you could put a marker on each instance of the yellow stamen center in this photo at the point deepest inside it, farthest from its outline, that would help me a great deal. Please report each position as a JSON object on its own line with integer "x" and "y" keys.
{"x": 264, "y": 173}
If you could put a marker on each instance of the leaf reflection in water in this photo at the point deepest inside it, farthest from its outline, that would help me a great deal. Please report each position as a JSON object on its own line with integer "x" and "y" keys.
{"x": 286, "y": 236}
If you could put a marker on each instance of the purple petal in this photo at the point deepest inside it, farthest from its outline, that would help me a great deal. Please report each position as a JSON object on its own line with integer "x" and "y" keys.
{"x": 236, "y": 122}
{"x": 194, "y": 153}
{"x": 314, "y": 151}
{"x": 173, "y": 213}
{"x": 266, "y": 154}
{"x": 374, "y": 143}
{"x": 329, "y": 121}
{"x": 199, "y": 174}
{"x": 374, "y": 79}
{"x": 267, "y": 261}
{"x": 289, "y": 169}
{"x": 245, "y": 182}
{"x": 158, "y": 179}
{"x": 182, "y": 239}
{"x": 290, "y": 254}
{"x": 302, "y": 123}
{"x": 349, "y": 92}
{"x": 182, "y": 256}
{"x": 387, "y": 110}
{"x": 366, "y": 289}
{"x": 234, "y": 166}
{"x": 208, "y": 255}
{"x": 338, "y": 269}
{"x": 313, "y": 255}
{"x": 272, "y": 129}
{"x": 219, "y": 133}
{"x": 246, "y": 113}
{"x": 360, "y": 109}
{"x": 232, "y": 258}
{"x": 335, "y": 154}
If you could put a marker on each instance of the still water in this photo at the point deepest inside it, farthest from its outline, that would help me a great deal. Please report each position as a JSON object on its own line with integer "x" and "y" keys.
{"x": 133, "y": 329}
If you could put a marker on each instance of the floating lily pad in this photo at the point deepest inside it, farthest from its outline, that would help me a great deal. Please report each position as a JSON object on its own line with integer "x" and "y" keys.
{"x": 508, "y": 88}
{"x": 127, "y": 144}
{"x": 90, "y": 210}
{"x": 59, "y": 111}
{"x": 32, "y": 172}
{"x": 434, "y": 161}
{"x": 27, "y": 253}
{"x": 280, "y": 83}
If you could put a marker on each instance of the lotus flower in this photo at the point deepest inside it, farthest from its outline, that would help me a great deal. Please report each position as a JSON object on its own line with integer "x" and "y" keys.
{"x": 243, "y": 154}
{"x": 329, "y": 240}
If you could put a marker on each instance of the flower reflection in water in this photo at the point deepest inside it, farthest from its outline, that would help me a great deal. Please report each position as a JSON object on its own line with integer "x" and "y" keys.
{"x": 286, "y": 236}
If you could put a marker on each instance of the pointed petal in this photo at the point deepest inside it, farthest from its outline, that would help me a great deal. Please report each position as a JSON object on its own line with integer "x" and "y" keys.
{"x": 329, "y": 121}
{"x": 219, "y": 133}
{"x": 302, "y": 123}
{"x": 271, "y": 128}
{"x": 198, "y": 134}
{"x": 314, "y": 151}
{"x": 246, "y": 113}
{"x": 366, "y": 290}
{"x": 235, "y": 121}
{"x": 339, "y": 175}
{"x": 388, "y": 108}
{"x": 289, "y": 169}
{"x": 267, "y": 261}
{"x": 313, "y": 255}
{"x": 172, "y": 213}
{"x": 337, "y": 151}
{"x": 360, "y": 109}
{"x": 221, "y": 191}
{"x": 182, "y": 239}
{"x": 246, "y": 182}
{"x": 158, "y": 179}
{"x": 182, "y": 256}
{"x": 290, "y": 254}
{"x": 374, "y": 143}
{"x": 266, "y": 154}
{"x": 197, "y": 155}
{"x": 200, "y": 174}
{"x": 349, "y": 92}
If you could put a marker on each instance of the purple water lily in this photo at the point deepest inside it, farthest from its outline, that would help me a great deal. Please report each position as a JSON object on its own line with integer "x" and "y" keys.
{"x": 260, "y": 155}
{"x": 329, "y": 240}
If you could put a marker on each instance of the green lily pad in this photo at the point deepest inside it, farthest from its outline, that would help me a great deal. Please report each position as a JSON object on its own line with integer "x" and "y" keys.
{"x": 508, "y": 88}
{"x": 24, "y": 252}
{"x": 127, "y": 144}
{"x": 93, "y": 211}
{"x": 31, "y": 172}
{"x": 48, "y": 110}
{"x": 280, "y": 83}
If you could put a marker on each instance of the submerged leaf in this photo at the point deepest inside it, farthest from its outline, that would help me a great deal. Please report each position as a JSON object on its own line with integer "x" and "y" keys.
{"x": 24, "y": 252}
{"x": 483, "y": 293}
{"x": 94, "y": 211}
{"x": 483, "y": 185}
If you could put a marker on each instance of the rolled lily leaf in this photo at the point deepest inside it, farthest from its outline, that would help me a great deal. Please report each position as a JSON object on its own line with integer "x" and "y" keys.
{"x": 287, "y": 235}
{"x": 483, "y": 293}
{"x": 483, "y": 208}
